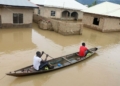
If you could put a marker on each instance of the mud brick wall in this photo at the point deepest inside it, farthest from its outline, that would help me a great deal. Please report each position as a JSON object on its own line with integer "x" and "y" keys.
{"x": 62, "y": 27}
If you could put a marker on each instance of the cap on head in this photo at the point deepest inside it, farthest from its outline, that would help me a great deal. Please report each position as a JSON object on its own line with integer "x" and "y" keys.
{"x": 83, "y": 44}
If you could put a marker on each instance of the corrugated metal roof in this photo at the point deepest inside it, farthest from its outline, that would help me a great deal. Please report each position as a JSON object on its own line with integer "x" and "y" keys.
{"x": 105, "y": 8}
{"x": 115, "y": 13}
{"x": 69, "y": 4}
{"x": 24, "y": 3}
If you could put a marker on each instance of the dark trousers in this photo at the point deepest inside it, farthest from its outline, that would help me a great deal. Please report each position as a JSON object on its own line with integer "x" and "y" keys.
{"x": 86, "y": 52}
{"x": 43, "y": 64}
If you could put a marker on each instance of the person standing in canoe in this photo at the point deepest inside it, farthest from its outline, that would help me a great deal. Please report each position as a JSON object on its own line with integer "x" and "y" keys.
{"x": 38, "y": 63}
{"x": 83, "y": 50}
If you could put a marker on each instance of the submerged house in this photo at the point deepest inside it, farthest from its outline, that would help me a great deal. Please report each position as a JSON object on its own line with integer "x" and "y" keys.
{"x": 104, "y": 17}
{"x": 16, "y": 13}
{"x": 59, "y": 9}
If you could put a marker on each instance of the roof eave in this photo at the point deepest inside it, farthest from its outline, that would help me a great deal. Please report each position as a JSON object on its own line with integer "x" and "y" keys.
{"x": 20, "y": 6}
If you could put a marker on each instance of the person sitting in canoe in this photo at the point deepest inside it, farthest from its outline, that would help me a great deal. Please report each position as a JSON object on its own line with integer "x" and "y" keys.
{"x": 38, "y": 63}
{"x": 83, "y": 50}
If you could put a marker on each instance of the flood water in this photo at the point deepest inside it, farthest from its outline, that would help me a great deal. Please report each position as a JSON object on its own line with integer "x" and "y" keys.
{"x": 19, "y": 45}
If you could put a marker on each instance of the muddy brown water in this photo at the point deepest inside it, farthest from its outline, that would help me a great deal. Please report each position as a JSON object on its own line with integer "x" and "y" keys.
{"x": 18, "y": 46}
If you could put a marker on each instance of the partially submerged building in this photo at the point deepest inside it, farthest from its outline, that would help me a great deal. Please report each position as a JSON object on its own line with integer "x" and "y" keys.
{"x": 16, "y": 13}
{"x": 60, "y": 9}
{"x": 104, "y": 17}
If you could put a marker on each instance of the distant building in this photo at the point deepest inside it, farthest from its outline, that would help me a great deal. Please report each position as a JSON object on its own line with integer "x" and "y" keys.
{"x": 59, "y": 9}
{"x": 104, "y": 17}
{"x": 16, "y": 13}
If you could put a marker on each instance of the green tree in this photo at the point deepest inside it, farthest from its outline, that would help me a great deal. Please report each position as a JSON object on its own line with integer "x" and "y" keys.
{"x": 94, "y": 3}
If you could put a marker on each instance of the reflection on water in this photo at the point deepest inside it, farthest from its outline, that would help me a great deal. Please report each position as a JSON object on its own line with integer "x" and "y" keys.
{"x": 16, "y": 39}
{"x": 90, "y": 36}
{"x": 36, "y": 80}
{"x": 19, "y": 46}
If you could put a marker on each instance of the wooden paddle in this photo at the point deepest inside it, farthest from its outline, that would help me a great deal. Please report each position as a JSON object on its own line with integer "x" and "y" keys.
{"x": 62, "y": 57}
{"x": 49, "y": 56}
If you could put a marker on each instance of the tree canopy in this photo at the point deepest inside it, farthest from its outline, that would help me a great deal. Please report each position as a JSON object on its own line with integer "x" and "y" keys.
{"x": 94, "y": 3}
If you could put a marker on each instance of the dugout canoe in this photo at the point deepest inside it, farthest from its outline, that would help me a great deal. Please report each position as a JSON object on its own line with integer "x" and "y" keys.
{"x": 58, "y": 63}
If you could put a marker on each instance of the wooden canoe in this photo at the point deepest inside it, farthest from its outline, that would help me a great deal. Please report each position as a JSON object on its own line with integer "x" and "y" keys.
{"x": 58, "y": 63}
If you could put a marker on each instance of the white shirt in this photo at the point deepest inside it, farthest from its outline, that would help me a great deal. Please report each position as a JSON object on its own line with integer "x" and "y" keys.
{"x": 36, "y": 62}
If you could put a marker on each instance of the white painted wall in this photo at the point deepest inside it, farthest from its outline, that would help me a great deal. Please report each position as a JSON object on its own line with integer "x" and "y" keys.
{"x": 7, "y": 14}
{"x": 46, "y": 12}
